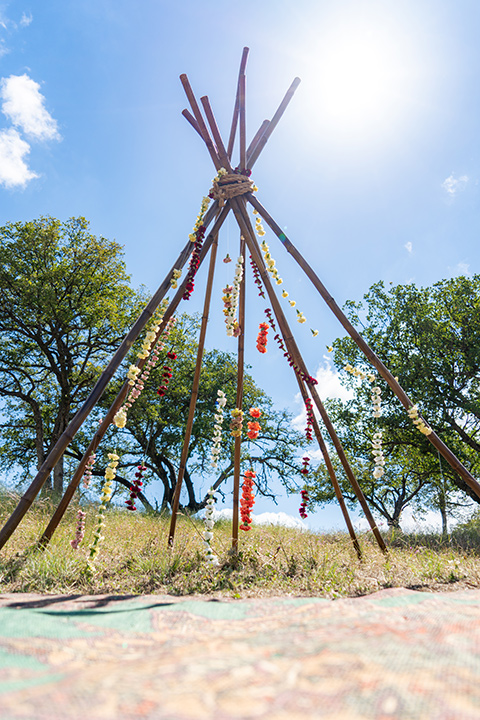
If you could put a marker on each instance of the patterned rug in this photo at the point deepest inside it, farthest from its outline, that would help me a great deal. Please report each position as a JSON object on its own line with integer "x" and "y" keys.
{"x": 394, "y": 654}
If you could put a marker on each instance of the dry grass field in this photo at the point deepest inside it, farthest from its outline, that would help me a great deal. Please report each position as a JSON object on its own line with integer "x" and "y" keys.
{"x": 134, "y": 559}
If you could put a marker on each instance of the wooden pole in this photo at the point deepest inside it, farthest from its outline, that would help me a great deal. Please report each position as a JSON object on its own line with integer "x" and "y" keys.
{"x": 248, "y": 232}
{"x": 233, "y": 129}
{"x": 101, "y": 430}
{"x": 239, "y": 403}
{"x": 256, "y": 139}
{"x": 194, "y": 394}
{"x": 243, "y": 130}
{"x": 396, "y": 388}
{"x": 200, "y": 121}
{"x": 274, "y": 122}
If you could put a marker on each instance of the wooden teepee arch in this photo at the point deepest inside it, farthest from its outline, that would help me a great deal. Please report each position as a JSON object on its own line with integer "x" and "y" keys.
{"x": 232, "y": 192}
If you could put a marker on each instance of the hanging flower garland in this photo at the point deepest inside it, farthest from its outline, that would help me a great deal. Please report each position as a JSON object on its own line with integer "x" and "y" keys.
{"x": 196, "y": 237}
{"x": 211, "y": 558}
{"x": 166, "y": 374}
{"x": 303, "y": 505}
{"x": 378, "y": 457}
{"x": 227, "y": 259}
{"x": 247, "y": 500}
{"x": 236, "y": 423}
{"x": 87, "y": 473}
{"x": 418, "y": 422}
{"x": 80, "y": 531}
{"x": 306, "y": 378}
{"x": 256, "y": 277}
{"x": 310, "y": 417}
{"x": 110, "y": 472}
{"x": 230, "y": 300}
{"x": 176, "y": 275}
{"x": 136, "y": 487}
{"x": 262, "y": 337}
{"x": 136, "y": 378}
{"x": 217, "y": 428}
{"x": 376, "y": 395}
{"x": 253, "y": 427}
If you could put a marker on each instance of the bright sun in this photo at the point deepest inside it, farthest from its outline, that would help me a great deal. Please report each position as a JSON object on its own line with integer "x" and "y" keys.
{"x": 362, "y": 75}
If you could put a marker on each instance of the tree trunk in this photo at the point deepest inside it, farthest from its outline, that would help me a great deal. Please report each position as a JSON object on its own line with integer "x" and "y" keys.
{"x": 58, "y": 477}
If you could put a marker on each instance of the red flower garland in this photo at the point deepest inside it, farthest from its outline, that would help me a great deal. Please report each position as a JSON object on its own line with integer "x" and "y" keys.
{"x": 136, "y": 485}
{"x": 247, "y": 500}
{"x": 304, "y": 503}
{"x": 194, "y": 262}
{"x": 310, "y": 416}
{"x": 262, "y": 337}
{"x": 256, "y": 277}
{"x": 166, "y": 374}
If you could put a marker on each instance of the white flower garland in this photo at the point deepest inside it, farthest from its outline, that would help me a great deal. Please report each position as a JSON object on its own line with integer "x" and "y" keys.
{"x": 110, "y": 472}
{"x": 230, "y": 299}
{"x": 377, "y": 453}
{"x": 210, "y": 556}
{"x": 420, "y": 425}
{"x": 217, "y": 428}
{"x": 376, "y": 394}
{"x": 135, "y": 376}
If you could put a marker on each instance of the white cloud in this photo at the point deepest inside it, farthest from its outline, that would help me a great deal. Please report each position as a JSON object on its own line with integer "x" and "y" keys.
{"x": 329, "y": 386}
{"x": 408, "y": 247}
{"x": 461, "y": 268}
{"x": 266, "y": 518}
{"x": 14, "y": 172}
{"x": 25, "y": 20}
{"x": 23, "y": 104}
{"x": 453, "y": 185}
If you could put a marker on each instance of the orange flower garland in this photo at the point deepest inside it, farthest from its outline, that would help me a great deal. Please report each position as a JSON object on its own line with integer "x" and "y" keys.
{"x": 253, "y": 427}
{"x": 262, "y": 337}
{"x": 247, "y": 500}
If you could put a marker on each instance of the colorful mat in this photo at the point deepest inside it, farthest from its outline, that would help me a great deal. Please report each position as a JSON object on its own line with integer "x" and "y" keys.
{"x": 394, "y": 654}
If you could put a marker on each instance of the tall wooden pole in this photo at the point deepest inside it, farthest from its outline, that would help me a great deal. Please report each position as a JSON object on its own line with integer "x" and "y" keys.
{"x": 396, "y": 388}
{"x": 233, "y": 129}
{"x": 108, "y": 418}
{"x": 239, "y": 403}
{"x": 248, "y": 232}
{"x": 194, "y": 394}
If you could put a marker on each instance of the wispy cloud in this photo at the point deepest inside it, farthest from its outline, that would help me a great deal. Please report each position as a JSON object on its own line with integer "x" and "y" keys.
{"x": 453, "y": 185}
{"x": 461, "y": 268}
{"x": 25, "y": 20}
{"x": 24, "y": 105}
{"x": 14, "y": 171}
{"x": 408, "y": 246}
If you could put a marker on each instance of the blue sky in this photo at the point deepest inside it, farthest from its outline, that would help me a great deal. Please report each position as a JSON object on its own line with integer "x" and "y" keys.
{"x": 373, "y": 171}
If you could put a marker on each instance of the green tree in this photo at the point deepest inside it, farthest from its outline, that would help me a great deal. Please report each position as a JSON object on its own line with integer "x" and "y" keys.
{"x": 156, "y": 425}
{"x": 65, "y": 304}
{"x": 429, "y": 338}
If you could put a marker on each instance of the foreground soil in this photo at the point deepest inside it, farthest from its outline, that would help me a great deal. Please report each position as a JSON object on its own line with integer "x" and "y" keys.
{"x": 396, "y": 653}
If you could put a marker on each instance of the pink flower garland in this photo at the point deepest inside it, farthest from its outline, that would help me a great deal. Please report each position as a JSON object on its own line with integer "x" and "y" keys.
{"x": 80, "y": 532}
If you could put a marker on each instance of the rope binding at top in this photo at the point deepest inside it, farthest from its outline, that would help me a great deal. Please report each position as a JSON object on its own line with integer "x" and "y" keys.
{"x": 229, "y": 185}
